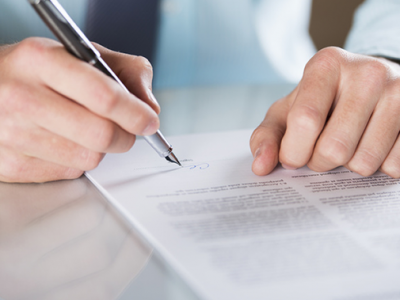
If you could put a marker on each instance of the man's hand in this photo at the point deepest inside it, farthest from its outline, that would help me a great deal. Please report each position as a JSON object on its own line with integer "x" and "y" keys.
{"x": 59, "y": 115}
{"x": 345, "y": 111}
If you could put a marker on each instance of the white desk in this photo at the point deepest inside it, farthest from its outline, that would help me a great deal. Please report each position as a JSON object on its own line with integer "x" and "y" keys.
{"x": 62, "y": 240}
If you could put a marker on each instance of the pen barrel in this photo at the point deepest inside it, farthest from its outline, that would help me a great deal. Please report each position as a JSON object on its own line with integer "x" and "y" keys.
{"x": 66, "y": 31}
{"x": 57, "y": 19}
{"x": 158, "y": 142}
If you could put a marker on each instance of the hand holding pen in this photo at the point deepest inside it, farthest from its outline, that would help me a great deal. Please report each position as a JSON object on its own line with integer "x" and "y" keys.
{"x": 76, "y": 43}
{"x": 59, "y": 115}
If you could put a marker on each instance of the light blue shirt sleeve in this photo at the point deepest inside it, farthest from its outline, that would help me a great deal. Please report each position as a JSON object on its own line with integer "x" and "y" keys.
{"x": 376, "y": 29}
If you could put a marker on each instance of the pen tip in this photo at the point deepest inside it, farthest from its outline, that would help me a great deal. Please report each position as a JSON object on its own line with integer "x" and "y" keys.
{"x": 172, "y": 158}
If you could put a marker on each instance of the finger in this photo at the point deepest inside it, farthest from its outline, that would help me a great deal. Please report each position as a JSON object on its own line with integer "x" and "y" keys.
{"x": 135, "y": 72}
{"x": 19, "y": 168}
{"x": 379, "y": 137}
{"x": 391, "y": 164}
{"x": 266, "y": 139}
{"x": 22, "y": 135}
{"x": 91, "y": 88}
{"x": 74, "y": 122}
{"x": 308, "y": 114}
{"x": 44, "y": 145}
{"x": 359, "y": 94}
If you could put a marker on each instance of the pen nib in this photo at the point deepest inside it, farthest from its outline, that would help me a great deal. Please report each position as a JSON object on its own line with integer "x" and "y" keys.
{"x": 172, "y": 158}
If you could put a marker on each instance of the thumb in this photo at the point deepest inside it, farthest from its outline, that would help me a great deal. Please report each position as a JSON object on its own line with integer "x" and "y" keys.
{"x": 266, "y": 140}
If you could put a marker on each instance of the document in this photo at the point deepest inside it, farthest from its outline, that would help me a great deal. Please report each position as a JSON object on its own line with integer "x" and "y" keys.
{"x": 294, "y": 234}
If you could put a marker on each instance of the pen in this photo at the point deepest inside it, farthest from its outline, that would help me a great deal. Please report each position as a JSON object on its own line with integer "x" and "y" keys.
{"x": 73, "y": 39}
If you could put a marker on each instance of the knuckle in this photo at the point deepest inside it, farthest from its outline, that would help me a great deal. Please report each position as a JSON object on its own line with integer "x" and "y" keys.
{"x": 91, "y": 160}
{"x": 31, "y": 43}
{"x": 306, "y": 119}
{"x": 325, "y": 59}
{"x": 376, "y": 70}
{"x": 104, "y": 135}
{"x": 108, "y": 99}
{"x": 334, "y": 150}
{"x": 331, "y": 51}
{"x": 144, "y": 63}
{"x": 30, "y": 48}
{"x": 144, "y": 69}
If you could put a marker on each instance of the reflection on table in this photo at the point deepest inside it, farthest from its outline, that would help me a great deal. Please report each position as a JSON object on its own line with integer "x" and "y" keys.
{"x": 58, "y": 241}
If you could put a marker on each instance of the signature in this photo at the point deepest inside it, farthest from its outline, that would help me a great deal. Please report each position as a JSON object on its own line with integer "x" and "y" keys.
{"x": 201, "y": 166}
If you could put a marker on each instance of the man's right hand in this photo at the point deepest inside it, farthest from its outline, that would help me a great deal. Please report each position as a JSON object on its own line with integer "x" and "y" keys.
{"x": 60, "y": 115}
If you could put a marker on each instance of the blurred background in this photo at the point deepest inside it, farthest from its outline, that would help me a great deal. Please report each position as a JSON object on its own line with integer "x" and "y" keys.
{"x": 203, "y": 43}
{"x": 331, "y": 21}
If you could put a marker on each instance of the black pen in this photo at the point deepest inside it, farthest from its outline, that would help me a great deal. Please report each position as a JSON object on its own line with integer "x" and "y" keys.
{"x": 73, "y": 39}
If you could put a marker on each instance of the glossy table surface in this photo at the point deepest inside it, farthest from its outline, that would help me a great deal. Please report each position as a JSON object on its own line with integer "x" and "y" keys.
{"x": 63, "y": 240}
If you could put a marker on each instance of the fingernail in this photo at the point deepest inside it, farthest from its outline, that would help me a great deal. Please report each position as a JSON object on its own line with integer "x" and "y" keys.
{"x": 151, "y": 128}
{"x": 288, "y": 167}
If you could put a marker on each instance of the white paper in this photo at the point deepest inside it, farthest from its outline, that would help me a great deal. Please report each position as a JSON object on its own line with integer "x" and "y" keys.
{"x": 234, "y": 235}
